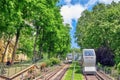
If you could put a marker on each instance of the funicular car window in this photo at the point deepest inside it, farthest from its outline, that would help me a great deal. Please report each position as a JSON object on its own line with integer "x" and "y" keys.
{"x": 89, "y": 53}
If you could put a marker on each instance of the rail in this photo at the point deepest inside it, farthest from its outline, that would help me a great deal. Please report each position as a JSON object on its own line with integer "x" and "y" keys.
{"x": 55, "y": 74}
{"x": 18, "y": 75}
{"x": 73, "y": 71}
{"x": 103, "y": 75}
{"x": 21, "y": 72}
{"x": 97, "y": 76}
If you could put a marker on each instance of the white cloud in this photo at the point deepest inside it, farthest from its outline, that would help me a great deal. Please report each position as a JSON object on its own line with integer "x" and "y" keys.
{"x": 70, "y": 12}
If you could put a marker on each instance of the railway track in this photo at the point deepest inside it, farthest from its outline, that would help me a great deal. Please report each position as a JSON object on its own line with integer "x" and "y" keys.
{"x": 104, "y": 76}
{"x": 97, "y": 76}
{"x": 59, "y": 74}
{"x": 91, "y": 77}
{"x": 55, "y": 74}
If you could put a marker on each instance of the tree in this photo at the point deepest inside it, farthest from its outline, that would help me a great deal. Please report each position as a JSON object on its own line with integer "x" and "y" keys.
{"x": 99, "y": 27}
{"x": 34, "y": 17}
{"x": 105, "y": 56}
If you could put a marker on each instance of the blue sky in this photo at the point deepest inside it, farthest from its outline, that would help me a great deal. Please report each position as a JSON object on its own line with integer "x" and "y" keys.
{"x": 71, "y": 11}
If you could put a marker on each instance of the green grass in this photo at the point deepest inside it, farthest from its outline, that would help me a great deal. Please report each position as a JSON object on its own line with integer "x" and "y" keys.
{"x": 68, "y": 74}
{"x": 77, "y": 73}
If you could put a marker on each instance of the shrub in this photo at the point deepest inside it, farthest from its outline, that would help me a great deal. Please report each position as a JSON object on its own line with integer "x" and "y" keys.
{"x": 54, "y": 61}
{"x": 105, "y": 56}
{"x": 48, "y": 62}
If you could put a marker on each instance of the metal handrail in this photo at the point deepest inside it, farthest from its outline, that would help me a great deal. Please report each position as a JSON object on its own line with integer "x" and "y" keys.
{"x": 73, "y": 71}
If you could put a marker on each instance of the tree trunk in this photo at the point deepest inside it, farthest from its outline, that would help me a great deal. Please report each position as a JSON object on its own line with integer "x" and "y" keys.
{"x": 15, "y": 47}
{"x": 5, "y": 50}
{"x": 41, "y": 44}
{"x": 40, "y": 50}
{"x": 34, "y": 49}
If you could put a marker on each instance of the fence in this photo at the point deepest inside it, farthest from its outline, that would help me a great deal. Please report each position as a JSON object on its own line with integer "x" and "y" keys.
{"x": 73, "y": 71}
{"x": 12, "y": 69}
{"x": 110, "y": 72}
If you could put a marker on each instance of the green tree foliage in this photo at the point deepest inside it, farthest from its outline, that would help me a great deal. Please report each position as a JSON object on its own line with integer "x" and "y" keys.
{"x": 26, "y": 42}
{"x": 100, "y": 27}
{"x": 76, "y": 50}
{"x": 37, "y": 26}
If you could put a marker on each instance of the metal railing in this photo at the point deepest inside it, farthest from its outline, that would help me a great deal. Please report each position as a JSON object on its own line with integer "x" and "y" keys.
{"x": 110, "y": 72}
{"x": 12, "y": 69}
{"x": 73, "y": 71}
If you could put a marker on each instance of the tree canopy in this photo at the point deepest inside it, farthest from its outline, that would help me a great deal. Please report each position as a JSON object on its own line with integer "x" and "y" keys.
{"x": 100, "y": 27}
{"x": 37, "y": 26}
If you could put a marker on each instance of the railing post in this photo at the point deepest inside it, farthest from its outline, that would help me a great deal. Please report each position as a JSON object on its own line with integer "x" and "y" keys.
{"x": 118, "y": 77}
{"x": 8, "y": 72}
{"x": 73, "y": 72}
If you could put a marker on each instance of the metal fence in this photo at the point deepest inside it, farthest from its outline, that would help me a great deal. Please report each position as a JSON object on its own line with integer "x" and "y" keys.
{"x": 9, "y": 70}
{"x": 112, "y": 72}
{"x": 73, "y": 72}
